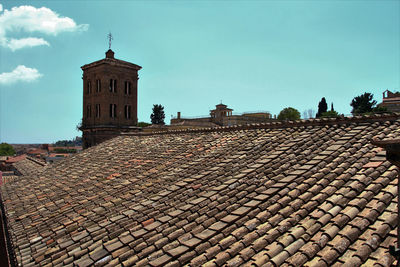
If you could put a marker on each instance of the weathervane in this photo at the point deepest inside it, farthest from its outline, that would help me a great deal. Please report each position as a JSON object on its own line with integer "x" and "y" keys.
{"x": 110, "y": 37}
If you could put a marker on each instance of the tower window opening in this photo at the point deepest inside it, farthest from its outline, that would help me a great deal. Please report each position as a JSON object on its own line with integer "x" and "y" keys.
{"x": 127, "y": 88}
{"x": 88, "y": 111}
{"x": 98, "y": 111}
{"x": 127, "y": 112}
{"x": 98, "y": 85}
{"x": 113, "y": 85}
{"x": 113, "y": 110}
{"x": 88, "y": 87}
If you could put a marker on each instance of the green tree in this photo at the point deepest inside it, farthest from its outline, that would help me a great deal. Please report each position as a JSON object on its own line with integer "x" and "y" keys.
{"x": 379, "y": 109}
{"x": 143, "y": 124}
{"x": 330, "y": 114}
{"x": 77, "y": 141}
{"x": 289, "y": 114}
{"x": 6, "y": 150}
{"x": 158, "y": 115}
{"x": 363, "y": 103}
{"x": 322, "y": 107}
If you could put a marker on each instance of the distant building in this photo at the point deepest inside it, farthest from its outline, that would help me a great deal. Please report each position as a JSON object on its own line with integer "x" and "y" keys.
{"x": 13, "y": 167}
{"x": 8, "y": 164}
{"x": 109, "y": 99}
{"x": 3, "y": 165}
{"x": 391, "y": 101}
{"x": 54, "y": 157}
{"x": 37, "y": 152}
{"x": 45, "y": 153}
{"x": 64, "y": 149}
{"x": 220, "y": 112}
{"x": 223, "y": 116}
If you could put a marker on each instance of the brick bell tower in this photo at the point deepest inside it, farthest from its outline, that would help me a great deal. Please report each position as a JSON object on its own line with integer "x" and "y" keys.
{"x": 109, "y": 98}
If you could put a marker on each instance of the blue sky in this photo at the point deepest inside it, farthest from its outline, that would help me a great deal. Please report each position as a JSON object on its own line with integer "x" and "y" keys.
{"x": 252, "y": 55}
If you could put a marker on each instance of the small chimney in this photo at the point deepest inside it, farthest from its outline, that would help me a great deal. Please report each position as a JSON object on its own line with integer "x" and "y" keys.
{"x": 109, "y": 53}
{"x": 178, "y": 115}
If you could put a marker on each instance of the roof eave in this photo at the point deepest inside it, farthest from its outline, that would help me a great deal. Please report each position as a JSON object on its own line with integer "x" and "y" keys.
{"x": 115, "y": 62}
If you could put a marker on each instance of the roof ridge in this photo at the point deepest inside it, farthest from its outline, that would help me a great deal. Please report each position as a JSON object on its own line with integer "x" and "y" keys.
{"x": 278, "y": 124}
{"x": 35, "y": 161}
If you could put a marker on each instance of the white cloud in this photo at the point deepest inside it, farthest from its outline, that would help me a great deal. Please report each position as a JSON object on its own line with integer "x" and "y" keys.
{"x": 20, "y": 74}
{"x": 31, "y": 20}
{"x": 15, "y": 44}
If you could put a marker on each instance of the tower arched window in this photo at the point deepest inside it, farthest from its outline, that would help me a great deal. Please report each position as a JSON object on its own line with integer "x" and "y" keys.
{"x": 88, "y": 87}
{"x": 127, "y": 112}
{"x": 113, "y": 86}
{"x": 98, "y": 111}
{"x": 88, "y": 111}
{"x": 128, "y": 89}
{"x": 113, "y": 110}
{"x": 98, "y": 85}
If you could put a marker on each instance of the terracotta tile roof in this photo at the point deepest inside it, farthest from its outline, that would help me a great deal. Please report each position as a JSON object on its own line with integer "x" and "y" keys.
{"x": 59, "y": 155}
{"x": 37, "y": 151}
{"x": 9, "y": 178}
{"x": 28, "y": 166}
{"x": 314, "y": 193}
{"x": 16, "y": 158}
{"x": 23, "y": 166}
{"x": 52, "y": 148}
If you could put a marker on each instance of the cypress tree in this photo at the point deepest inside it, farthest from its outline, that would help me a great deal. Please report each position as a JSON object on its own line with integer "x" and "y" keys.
{"x": 158, "y": 115}
{"x": 322, "y": 107}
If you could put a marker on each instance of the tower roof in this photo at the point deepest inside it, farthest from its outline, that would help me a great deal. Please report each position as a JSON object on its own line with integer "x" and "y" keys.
{"x": 110, "y": 60}
{"x": 221, "y": 107}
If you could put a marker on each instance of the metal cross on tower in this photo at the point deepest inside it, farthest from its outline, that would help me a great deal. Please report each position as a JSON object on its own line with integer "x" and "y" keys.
{"x": 110, "y": 37}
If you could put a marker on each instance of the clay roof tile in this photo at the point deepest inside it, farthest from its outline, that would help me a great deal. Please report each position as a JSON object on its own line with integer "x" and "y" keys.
{"x": 300, "y": 192}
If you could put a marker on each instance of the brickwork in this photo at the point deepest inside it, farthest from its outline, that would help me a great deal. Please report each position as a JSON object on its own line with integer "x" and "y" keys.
{"x": 109, "y": 99}
{"x": 222, "y": 116}
{"x": 391, "y": 101}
